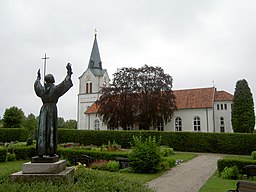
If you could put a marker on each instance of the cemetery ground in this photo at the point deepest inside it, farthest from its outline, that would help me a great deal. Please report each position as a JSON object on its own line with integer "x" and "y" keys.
{"x": 96, "y": 180}
{"x": 85, "y": 179}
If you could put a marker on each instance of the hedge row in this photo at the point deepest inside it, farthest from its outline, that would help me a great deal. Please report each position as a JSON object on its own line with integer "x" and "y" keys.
{"x": 13, "y": 134}
{"x": 227, "y": 143}
{"x": 230, "y": 162}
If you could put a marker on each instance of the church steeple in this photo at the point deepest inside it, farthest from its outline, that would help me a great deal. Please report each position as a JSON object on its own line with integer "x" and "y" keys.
{"x": 95, "y": 61}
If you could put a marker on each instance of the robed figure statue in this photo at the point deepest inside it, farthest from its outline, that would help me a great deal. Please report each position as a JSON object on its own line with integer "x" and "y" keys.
{"x": 47, "y": 127}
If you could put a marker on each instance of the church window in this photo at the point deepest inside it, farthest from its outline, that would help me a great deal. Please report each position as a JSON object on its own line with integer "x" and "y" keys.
{"x": 96, "y": 124}
{"x": 197, "y": 126}
{"x": 160, "y": 126}
{"x": 218, "y": 107}
{"x": 225, "y": 106}
{"x": 129, "y": 127}
{"x": 90, "y": 87}
{"x": 178, "y": 124}
{"x": 222, "y": 126}
{"x": 221, "y": 106}
{"x": 87, "y": 88}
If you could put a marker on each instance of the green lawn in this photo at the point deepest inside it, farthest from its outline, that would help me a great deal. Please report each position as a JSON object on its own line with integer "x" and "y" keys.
{"x": 217, "y": 184}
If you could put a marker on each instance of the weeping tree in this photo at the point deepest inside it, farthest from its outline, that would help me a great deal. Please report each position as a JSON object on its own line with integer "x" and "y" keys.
{"x": 243, "y": 117}
{"x": 141, "y": 96}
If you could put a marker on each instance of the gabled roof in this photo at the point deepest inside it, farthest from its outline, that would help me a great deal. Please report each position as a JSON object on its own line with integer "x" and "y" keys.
{"x": 194, "y": 98}
{"x": 198, "y": 98}
{"x": 223, "y": 96}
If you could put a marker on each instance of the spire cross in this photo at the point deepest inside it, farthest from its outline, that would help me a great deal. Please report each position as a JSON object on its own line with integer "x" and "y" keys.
{"x": 45, "y": 63}
{"x": 95, "y": 32}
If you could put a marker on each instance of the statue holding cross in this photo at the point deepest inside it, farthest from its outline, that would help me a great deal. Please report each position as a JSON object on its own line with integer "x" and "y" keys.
{"x": 49, "y": 93}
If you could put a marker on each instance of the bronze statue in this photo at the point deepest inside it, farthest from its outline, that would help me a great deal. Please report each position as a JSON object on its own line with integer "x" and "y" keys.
{"x": 47, "y": 127}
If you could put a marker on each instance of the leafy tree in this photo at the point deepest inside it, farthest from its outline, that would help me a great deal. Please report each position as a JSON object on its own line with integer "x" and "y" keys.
{"x": 30, "y": 123}
{"x": 140, "y": 96}
{"x": 61, "y": 122}
{"x": 243, "y": 117}
{"x": 13, "y": 117}
{"x": 71, "y": 124}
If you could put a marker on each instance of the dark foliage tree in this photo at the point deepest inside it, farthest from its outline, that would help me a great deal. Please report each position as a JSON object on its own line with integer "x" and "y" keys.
{"x": 140, "y": 96}
{"x": 13, "y": 117}
{"x": 243, "y": 117}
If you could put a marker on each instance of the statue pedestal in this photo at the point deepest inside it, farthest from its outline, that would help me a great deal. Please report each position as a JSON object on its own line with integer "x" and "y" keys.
{"x": 56, "y": 171}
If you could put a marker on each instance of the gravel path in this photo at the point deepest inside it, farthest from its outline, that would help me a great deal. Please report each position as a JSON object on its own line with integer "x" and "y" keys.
{"x": 189, "y": 176}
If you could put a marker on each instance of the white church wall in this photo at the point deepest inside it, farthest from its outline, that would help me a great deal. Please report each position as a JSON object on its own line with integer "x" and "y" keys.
{"x": 222, "y": 109}
{"x": 187, "y": 116}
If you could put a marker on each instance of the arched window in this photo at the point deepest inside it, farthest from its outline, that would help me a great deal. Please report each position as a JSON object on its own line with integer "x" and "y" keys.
{"x": 87, "y": 88}
{"x": 90, "y": 87}
{"x": 197, "y": 126}
{"x": 222, "y": 124}
{"x": 178, "y": 124}
{"x": 96, "y": 124}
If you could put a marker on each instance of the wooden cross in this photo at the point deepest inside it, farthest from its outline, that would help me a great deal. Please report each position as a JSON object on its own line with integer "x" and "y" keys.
{"x": 45, "y": 64}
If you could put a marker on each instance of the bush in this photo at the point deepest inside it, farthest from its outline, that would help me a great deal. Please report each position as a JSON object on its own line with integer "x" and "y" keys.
{"x": 145, "y": 156}
{"x": 253, "y": 155}
{"x": 11, "y": 157}
{"x": 230, "y": 162}
{"x": 113, "y": 166}
{"x": 3, "y": 154}
{"x": 24, "y": 152}
{"x": 166, "y": 151}
{"x": 230, "y": 172}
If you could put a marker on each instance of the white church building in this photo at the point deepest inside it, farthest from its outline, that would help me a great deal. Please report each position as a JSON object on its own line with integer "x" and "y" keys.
{"x": 198, "y": 109}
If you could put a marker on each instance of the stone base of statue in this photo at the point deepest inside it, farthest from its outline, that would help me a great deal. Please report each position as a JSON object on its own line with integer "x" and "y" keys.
{"x": 42, "y": 171}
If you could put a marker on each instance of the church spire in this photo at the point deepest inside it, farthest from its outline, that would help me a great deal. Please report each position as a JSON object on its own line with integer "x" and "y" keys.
{"x": 95, "y": 61}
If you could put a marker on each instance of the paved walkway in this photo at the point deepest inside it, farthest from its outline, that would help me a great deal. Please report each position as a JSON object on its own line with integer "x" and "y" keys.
{"x": 189, "y": 176}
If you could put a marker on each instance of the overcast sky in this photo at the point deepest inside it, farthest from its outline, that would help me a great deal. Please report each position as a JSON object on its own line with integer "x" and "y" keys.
{"x": 196, "y": 42}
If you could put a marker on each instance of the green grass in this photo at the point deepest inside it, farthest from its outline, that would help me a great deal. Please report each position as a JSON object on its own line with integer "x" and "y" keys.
{"x": 217, "y": 184}
{"x": 8, "y": 168}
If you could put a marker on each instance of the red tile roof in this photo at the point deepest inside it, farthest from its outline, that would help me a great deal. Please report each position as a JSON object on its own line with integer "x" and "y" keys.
{"x": 189, "y": 99}
{"x": 223, "y": 96}
{"x": 194, "y": 98}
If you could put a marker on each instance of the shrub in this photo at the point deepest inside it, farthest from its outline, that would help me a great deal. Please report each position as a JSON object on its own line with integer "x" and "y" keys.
{"x": 3, "y": 154}
{"x": 166, "y": 151}
{"x": 230, "y": 172}
{"x": 13, "y": 134}
{"x": 11, "y": 157}
{"x": 113, "y": 166}
{"x": 253, "y": 155}
{"x": 24, "y": 152}
{"x": 145, "y": 156}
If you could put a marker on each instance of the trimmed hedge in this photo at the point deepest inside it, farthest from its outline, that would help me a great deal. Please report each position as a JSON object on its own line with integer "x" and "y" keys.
{"x": 72, "y": 154}
{"x": 24, "y": 152}
{"x": 227, "y": 143}
{"x": 230, "y": 162}
{"x": 13, "y": 134}
{"x": 3, "y": 154}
